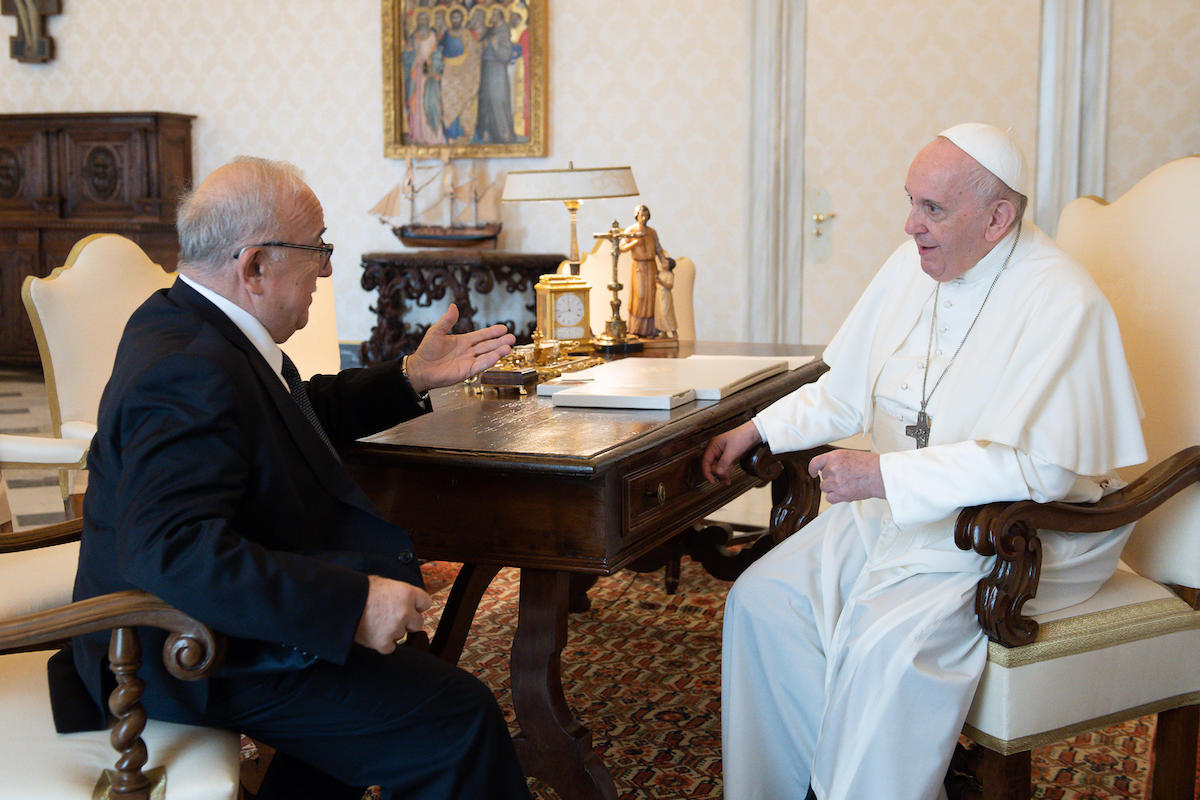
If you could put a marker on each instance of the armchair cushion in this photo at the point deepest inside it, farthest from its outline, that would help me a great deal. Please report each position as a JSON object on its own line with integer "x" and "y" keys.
{"x": 35, "y": 580}
{"x": 1115, "y": 656}
{"x": 35, "y": 761}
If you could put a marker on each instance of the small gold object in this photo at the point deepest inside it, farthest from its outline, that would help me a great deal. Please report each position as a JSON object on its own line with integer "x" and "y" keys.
{"x": 562, "y": 312}
{"x": 521, "y": 368}
{"x": 616, "y": 338}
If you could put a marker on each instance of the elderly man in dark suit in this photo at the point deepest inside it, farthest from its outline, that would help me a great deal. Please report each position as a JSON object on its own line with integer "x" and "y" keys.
{"x": 216, "y": 485}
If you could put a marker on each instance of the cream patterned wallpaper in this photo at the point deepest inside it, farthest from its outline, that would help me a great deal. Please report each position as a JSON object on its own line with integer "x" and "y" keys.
{"x": 882, "y": 81}
{"x": 658, "y": 86}
{"x": 1154, "y": 89}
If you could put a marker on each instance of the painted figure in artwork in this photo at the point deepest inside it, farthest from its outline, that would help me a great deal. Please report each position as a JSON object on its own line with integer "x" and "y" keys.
{"x": 460, "y": 79}
{"x": 494, "y": 123}
{"x": 424, "y": 84}
{"x": 646, "y": 251}
{"x": 521, "y": 72}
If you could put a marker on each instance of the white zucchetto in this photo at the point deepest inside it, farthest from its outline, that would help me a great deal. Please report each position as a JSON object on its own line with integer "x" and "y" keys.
{"x": 994, "y": 149}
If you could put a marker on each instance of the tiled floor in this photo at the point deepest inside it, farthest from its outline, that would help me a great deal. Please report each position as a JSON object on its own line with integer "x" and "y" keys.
{"x": 33, "y": 493}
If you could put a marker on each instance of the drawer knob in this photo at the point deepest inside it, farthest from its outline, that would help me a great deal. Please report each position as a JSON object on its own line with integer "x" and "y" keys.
{"x": 659, "y": 492}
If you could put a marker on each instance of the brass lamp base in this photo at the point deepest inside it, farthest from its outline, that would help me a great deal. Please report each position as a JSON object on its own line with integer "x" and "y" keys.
{"x": 608, "y": 345}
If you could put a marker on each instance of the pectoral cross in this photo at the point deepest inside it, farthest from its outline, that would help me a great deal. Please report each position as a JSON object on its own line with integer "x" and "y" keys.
{"x": 31, "y": 44}
{"x": 920, "y": 431}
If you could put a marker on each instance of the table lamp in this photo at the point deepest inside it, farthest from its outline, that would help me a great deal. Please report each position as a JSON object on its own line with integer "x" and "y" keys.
{"x": 562, "y": 301}
{"x": 571, "y": 186}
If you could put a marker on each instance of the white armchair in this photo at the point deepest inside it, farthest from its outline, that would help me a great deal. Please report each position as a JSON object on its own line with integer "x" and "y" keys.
{"x": 37, "y": 573}
{"x": 78, "y": 313}
{"x": 1130, "y": 650}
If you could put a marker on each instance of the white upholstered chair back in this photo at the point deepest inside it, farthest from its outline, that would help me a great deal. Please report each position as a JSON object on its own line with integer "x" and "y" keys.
{"x": 78, "y": 313}
{"x": 314, "y": 348}
{"x": 1144, "y": 251}
{"x": 596, "y": 269}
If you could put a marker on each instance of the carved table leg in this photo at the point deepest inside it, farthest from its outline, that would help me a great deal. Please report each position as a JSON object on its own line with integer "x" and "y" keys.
{"x": 553, "y": 746}
{"x": 451, "y": 634}
{"x": 581, "y": 584}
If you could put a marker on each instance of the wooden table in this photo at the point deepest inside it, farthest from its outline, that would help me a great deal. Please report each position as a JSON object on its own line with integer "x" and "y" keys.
{"x": 508, "y": 480}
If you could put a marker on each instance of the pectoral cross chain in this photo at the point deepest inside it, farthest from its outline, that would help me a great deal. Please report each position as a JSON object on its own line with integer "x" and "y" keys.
{"x": 920, "y": 431}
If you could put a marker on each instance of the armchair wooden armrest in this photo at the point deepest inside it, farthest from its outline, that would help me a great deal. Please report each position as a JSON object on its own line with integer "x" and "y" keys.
{"x": 44, "y": 536}
{"x": 1009, "y": 532}
{"x": 192, "y": 651}
{"x": 797, "y": 502}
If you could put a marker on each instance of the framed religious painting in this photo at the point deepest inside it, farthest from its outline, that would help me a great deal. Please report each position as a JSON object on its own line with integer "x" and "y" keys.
{"x": 464, "y": 79}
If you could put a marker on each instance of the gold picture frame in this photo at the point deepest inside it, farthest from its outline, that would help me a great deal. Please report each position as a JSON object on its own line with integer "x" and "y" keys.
{"x": 439, "y": 57}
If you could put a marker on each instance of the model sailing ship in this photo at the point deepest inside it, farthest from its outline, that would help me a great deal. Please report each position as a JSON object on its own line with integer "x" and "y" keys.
{"x": 464, "y": 204}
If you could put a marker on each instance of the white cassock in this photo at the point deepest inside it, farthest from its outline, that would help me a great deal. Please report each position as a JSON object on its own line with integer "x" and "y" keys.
{"x": 851, "y": 650}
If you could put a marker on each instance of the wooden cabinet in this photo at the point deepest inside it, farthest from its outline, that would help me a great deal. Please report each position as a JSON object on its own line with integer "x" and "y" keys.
{"x": 65, "y": 176}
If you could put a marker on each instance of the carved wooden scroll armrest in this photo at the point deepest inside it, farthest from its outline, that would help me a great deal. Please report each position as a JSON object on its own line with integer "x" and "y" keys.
{"x": 795, "y": 495}
{"x": 44, "y": 536}
{"x": 192, "y": 651}
{"x": 1008, "y": 531}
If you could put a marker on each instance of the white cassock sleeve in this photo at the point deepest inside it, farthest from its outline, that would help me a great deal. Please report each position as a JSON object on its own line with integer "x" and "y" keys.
{"x": 807, "y": 417}
{"x": 933, "y": 483}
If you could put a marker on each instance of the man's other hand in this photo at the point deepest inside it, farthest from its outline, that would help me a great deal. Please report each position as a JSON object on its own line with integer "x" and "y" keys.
{"x": 725, "y": 449}
{"x": 443, "y": 358}
{"x": 393, "y": 609}
{"x": 848, "y": 475}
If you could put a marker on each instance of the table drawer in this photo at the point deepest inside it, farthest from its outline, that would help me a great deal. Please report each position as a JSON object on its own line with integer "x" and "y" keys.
{"x": 663, "y": 492}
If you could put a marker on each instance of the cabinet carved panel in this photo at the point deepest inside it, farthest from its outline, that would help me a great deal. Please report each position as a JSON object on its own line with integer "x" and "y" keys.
{"x": 66, "y": 176}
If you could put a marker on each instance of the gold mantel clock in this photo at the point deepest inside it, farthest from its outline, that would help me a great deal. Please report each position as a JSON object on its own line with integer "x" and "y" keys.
{"x": 562, "y": 309}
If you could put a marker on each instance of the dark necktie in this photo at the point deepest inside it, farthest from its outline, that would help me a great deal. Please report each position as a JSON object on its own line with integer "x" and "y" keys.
{"x": 300, "y": 395}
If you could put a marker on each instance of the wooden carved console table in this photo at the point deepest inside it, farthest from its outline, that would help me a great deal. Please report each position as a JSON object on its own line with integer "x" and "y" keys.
{"x": 425, "y": 276}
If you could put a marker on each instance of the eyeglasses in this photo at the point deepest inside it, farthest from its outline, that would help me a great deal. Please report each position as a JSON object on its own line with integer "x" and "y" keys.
{"x": 325, "y": 249}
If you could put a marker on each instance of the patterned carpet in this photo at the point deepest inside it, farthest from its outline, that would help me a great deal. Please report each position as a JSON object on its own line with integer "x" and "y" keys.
{"x": 660, "y": 737}
{"x": 641, "y": 668}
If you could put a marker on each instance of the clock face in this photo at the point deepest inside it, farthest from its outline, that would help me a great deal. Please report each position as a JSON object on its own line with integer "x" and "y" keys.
{"x": 568, "y": 310}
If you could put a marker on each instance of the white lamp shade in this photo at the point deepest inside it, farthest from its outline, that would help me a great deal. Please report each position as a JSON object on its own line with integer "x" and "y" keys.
{"x": 569, "y": 184}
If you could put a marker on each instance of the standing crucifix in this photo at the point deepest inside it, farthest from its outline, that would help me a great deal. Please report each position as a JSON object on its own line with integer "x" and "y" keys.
{"x": 31, "y": 44}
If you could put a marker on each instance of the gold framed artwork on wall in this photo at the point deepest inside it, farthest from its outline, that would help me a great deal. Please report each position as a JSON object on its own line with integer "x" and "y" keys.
{"x": 464, "y": 79}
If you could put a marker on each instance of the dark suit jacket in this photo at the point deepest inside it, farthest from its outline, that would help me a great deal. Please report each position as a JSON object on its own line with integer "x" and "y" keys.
{"x": 209, "y": 488}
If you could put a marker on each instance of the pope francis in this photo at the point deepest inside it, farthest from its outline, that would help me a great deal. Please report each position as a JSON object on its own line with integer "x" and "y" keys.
{"x": 985, "y": 365}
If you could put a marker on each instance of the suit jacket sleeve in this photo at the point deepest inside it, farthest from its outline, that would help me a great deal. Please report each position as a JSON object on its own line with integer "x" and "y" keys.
{"x": 358, "y": 402}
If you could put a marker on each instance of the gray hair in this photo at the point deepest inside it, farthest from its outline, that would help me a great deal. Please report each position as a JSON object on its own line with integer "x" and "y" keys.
{"x": 988, "y": 189}
{"x": 212, "y": 225}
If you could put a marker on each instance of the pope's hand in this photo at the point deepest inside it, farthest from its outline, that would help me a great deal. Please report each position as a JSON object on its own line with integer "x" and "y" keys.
{"x": 393, "y": 609}
{"x": 443, "y": 358}
{"x": 725, "y": 449}
{"x": 848, "y": 475}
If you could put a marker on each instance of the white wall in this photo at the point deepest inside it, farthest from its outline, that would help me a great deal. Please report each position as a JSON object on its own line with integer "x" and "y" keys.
{"x": 658, "y": 86}
{"x": 1154, "y": 89}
